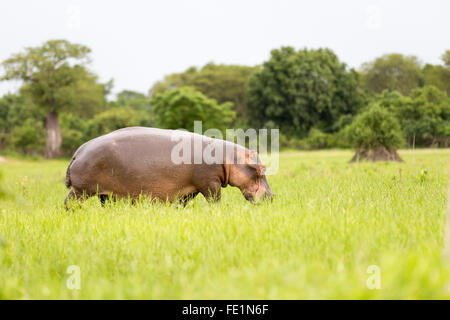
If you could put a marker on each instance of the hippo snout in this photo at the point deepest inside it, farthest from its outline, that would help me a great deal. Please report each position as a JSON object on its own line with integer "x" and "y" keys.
{"x": 269, "y": 195}
{"x": 263, "y": 193}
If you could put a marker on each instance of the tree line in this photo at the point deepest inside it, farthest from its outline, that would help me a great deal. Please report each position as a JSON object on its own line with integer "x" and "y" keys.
{"x": 315, "y": 100}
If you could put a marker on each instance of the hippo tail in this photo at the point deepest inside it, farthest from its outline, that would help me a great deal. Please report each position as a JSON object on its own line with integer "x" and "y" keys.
{"x": 68, "y": 182}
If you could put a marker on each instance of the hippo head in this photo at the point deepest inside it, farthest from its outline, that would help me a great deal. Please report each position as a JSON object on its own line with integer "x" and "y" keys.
{"x": 248, "y": 174}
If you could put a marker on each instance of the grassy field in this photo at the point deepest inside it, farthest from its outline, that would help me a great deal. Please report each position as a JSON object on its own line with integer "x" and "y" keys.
{"x": 330, "y": 221}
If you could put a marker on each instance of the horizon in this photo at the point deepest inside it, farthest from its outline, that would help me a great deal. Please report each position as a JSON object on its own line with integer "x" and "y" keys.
{"x": 117, "y": 34}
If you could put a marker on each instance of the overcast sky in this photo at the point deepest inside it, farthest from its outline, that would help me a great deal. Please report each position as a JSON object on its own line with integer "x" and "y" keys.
{"x": 138, "y": 42}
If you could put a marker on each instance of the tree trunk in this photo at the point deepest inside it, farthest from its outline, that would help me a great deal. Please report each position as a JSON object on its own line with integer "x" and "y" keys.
{"x": 53, "y": 145}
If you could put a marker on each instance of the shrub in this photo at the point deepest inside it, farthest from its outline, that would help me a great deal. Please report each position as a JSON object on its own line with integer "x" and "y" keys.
{"x": 73, "y": 131}
{"x": 179, "y": 108}
{"x": 375, "y": 134}
{"x": 376, "y": 127}
{"x": 111, "y": 120}
{"x": 424, "y": 115}
{"x": 29, "y": 137}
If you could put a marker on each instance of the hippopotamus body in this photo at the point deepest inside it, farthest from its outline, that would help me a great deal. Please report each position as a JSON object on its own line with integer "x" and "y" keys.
{"x": 163, "y": 164}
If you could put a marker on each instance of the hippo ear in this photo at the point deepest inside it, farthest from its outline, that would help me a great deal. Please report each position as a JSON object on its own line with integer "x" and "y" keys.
{"x": 260, "y": 169}
{"x": 251, "y": 158}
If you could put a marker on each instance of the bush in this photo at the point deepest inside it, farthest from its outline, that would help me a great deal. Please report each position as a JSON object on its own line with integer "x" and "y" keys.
{"x": 376, "y": 127}
{"x": 302, "y": 89}
{"x": 113, "y": 119}
{"x": 73, "y": 131}
{"x": 375, "y": 134}
{"x": 179, "y": 108}
{"x": 289, "y": 142}
{"x": 29, "y": 137}
{"x": 19, "y": 111}
{"x": 317, "y": 139}
{"x": 424, "y": 115}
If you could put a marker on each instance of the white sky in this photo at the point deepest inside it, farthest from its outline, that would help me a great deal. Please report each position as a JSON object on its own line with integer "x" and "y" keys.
{"x": 137, "y": 42}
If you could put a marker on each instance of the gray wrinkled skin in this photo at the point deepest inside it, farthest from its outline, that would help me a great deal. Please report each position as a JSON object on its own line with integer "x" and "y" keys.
{"x": 137, "y": 160}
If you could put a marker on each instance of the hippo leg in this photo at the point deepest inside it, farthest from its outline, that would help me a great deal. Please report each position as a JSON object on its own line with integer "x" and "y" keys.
{"x": 187, "y": 197}
{"x": 212, "y": 193}
{"x": 104, "y": 198}
{"x": 72, "y": 195}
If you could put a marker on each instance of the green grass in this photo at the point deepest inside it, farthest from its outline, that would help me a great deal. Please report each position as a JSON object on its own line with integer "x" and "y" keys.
{"x": 329, "y": 222}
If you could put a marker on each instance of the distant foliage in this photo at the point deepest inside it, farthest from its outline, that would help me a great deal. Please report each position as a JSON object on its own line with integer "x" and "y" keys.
{"x": 375, "y": 127}
{"x": 135, "y": 100}
{"x": 130, "y": 108}
{"x": 74, "y": 131}
{"x": 21, "y": 124}
{"x": 424, "y": 115}
{"x": 29, "y": 136}
{"x": 179, "y": 108}
{"x": 317, "y": 140}
{"x": 111, "y": 120}
{"x": 298, "y": 90}
{"x": 392, "y": 72}
{"x": 225, "y": 83}
{"x": 439, "y": 75}
{"x": 57, "y": 80}
{"x": 309, "y": 94}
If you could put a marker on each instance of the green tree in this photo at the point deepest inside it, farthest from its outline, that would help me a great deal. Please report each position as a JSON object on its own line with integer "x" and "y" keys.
{"x": 375, "y": 134}
{"x": 111, "y": 120}
{"x": 130, "y": 108}
{"x": 298, "y": 90}
{"x": 446, "y": 58}
{"x": 179, "y": 108}
{"x": 137, "y": 101}
{"x": 392, "y": 72}
{"x": 439, "y": 75}
{"x": 28, "y": 137}
{"x": 225, "y": 83}
{"x": 424, "y": 115}
{"x": 15, "y": 110}
{"x": 74, "y": 131}
{"x": 55, "y": 77}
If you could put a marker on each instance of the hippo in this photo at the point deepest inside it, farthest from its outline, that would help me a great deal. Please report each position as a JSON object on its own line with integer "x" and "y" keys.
{"x": 167, "y": 165}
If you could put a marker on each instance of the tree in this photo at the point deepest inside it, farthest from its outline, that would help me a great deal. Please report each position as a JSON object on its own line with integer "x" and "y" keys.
{"x": 179, "y": 108}
{"x": 298, "y": 90}
{"x": 375, "y": 134}
{"x": 439, "y": 75}
{"x": 135, "y": 100}
{"x": 74, "y": 132}
{"x": 17, "y": 110}
{"x": 424, "y": 115}
{"x": 225, "y": 83}
{"x": 446, "y": 58}
{"x": 138, "y": 102}
{"x": 56, "y": 78}
{"x": 392, "y": 72}
{"x": 28, "y": 136}
{"x": 111, "y": 120}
